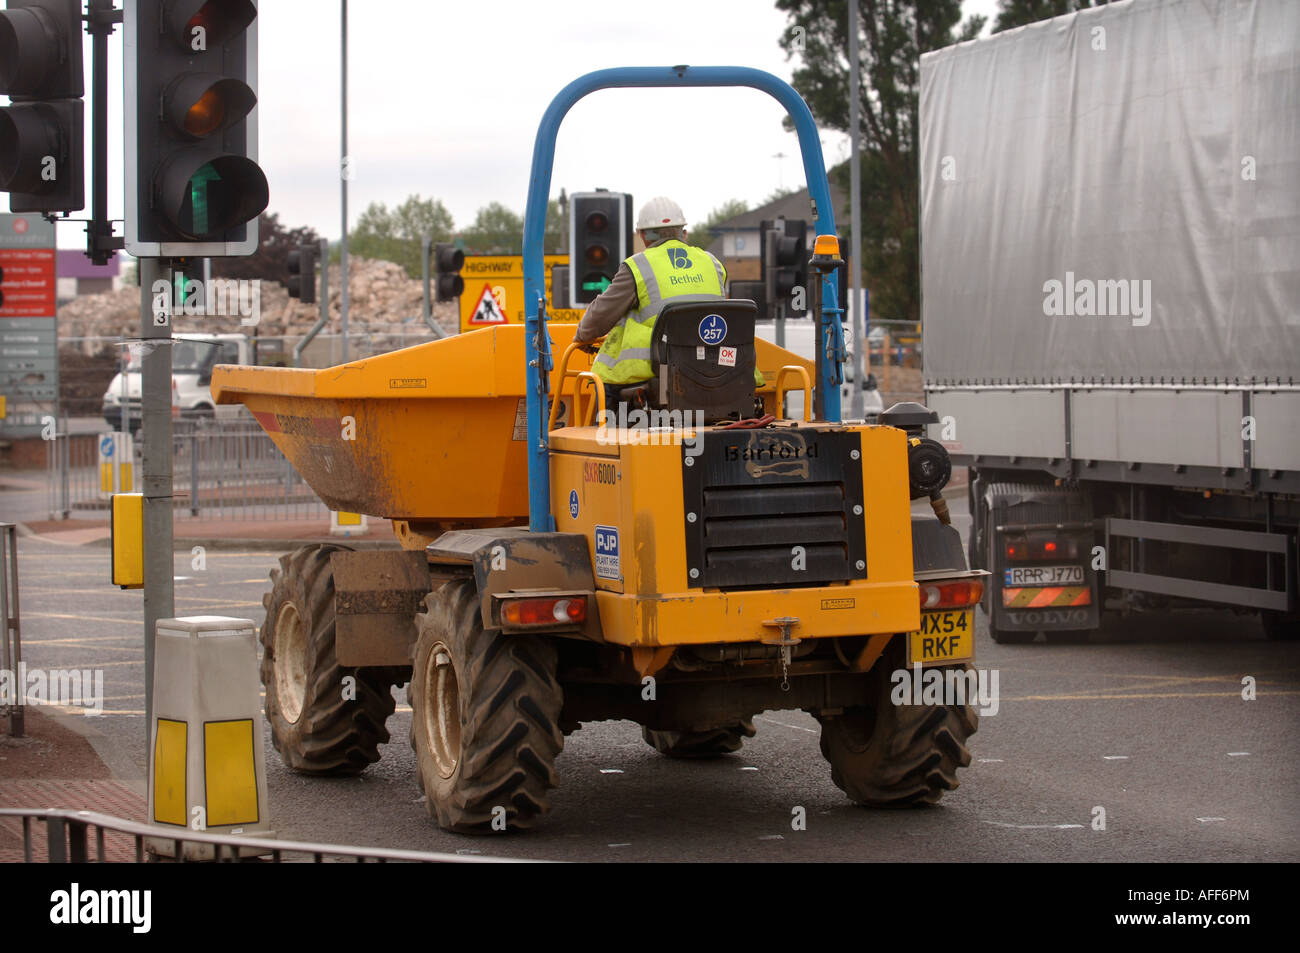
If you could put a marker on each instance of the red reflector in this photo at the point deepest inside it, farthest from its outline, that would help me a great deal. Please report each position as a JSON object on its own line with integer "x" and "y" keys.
{"x": 544, "y": 611}
{"x": 959, "y": 594}
{"x": 1049, "y": 547}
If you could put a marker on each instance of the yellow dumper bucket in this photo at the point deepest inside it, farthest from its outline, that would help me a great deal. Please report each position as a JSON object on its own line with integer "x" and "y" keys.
{"x": 432, "y": 433}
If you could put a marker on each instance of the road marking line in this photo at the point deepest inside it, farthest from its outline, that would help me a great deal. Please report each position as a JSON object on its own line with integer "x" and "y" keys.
{"x": 626, "y": 844}
{"x": 1238, "y": 754}
{"x": 1035, "y": 827}
{"x": 1114, "y": 757}
{"x": 1209, "y": 820}
{"x": 773, "y": 721}
{"x": 611, "y": 770}
{"x": 1089, "y": 698}
{"x": 771, "y": 837}
{"x": 990, "y": 761}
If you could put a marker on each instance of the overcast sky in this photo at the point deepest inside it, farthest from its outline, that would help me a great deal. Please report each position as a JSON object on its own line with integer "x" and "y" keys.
{"x": 445, "y": 98}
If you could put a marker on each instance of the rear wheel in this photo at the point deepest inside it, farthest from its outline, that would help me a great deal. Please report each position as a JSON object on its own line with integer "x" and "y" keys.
{"x": 887, "y": 755}
{"x": 700, "y": 744}
{"x": 485, "y": 711}
{"x": 324, "y": 718}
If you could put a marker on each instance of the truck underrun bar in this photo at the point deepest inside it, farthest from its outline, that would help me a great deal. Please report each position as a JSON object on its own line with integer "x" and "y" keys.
{"x": 536, "y": 344}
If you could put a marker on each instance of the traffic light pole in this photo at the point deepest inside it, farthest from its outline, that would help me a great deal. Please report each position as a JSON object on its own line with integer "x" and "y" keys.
{"x": 156, "y": 427}
{"x": 345, "y": 174}
{"x": 101, "y": 21}
{"x": 861, "y": 357}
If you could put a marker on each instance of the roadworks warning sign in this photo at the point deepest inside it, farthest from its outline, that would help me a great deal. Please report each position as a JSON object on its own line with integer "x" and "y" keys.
{"x": 488, "y": 309}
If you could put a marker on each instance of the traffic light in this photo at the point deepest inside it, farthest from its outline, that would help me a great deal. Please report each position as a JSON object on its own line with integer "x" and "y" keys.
{"x": 785, "y": 275}
{"x": 600, "y": 237}
{"x": 193, "y": 185}
{"x": 448, "y": 260}
{"x": 302, "y": 273}
{"x": 41, "y": 134}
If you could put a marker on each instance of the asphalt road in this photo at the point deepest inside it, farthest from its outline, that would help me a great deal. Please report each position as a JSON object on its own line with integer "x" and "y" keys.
{"x": 1146, "y": 722}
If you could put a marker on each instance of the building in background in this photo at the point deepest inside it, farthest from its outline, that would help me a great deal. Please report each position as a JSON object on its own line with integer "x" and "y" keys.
{"x": 79, "y": 276}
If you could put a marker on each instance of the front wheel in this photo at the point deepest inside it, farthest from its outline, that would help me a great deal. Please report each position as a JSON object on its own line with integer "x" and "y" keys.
{"x": 324, "y": 718}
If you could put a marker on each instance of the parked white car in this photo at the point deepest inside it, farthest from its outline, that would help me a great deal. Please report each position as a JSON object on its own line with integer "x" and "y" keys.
{"x": 193, "y": 357}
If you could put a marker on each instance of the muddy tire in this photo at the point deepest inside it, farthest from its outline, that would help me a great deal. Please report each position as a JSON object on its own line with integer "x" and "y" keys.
{"x": 315, "y": 726}
{"x": 485, "y": 713}
{"x": 887, "y": 755}
{"x": 699, "y": 744}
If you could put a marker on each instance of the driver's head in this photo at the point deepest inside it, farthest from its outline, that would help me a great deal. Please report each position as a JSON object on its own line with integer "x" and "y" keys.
{"x": 661, "y": 219}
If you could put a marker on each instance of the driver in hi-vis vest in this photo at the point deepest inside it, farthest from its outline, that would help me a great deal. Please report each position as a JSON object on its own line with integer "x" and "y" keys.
{"x": 625, "y": 312}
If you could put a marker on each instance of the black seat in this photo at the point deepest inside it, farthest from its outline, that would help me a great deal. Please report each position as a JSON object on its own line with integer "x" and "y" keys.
{"x": 702, "y": 357}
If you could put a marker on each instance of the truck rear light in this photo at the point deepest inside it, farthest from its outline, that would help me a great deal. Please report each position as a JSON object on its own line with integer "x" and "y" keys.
{"x": 1039, "y": 546}
{"x": 546, "y": 611}
{"x": 959, "y": 594}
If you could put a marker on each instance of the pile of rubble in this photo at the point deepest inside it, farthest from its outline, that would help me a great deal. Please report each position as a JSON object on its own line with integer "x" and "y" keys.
{"x": 384, "y": 305}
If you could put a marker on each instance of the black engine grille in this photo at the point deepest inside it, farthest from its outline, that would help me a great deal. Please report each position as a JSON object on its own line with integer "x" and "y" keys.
{"x": 774, "y": 508}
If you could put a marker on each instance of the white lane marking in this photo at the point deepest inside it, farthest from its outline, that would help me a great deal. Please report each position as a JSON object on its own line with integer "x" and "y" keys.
{"x": 627, "y": 844}
{"x": 611, "y": 770}
{"x": 748, "y": 768}
{"x": 1210, "y": 820}
{"x": 1114, "y": 757}
{"x": 1036, "y": 827}
{"x": 990, "y": 761}
{"x": 1238, "y": 754}
{"x": 773, "y": 721}
{"x": 772, "y": 837}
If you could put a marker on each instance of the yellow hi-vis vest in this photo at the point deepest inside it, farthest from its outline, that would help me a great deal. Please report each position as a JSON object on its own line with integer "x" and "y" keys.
{"x": 673, "y": 271}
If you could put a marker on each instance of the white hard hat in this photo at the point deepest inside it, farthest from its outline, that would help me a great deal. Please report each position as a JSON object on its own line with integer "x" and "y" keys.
{"x": 660, "y": 212}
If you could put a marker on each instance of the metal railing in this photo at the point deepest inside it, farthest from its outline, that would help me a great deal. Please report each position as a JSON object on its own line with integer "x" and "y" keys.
{"x": 222, "y": 469}
{"x": 72, "y": 836}
{"x": 11, "y": 641}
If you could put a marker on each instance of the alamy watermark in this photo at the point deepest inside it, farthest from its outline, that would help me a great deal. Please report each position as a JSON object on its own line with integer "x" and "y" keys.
{"x": 71, "y": 688}
{"x": 214, "y": 297}
{"x": 651, "y": 428}
{"x": 1124, "y": 297}
{"x": 946, "y": 686}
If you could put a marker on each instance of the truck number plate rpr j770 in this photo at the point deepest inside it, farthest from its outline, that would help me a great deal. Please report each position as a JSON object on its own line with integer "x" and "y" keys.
{"x": 1043, "y": 575}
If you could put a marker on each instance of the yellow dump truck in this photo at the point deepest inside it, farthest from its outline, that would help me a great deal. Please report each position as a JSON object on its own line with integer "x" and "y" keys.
{"x": 686, "y": 566}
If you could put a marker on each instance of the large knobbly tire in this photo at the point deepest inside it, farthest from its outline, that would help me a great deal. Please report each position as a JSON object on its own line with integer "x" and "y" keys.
{"x": 316, "y": 724}
{"x": 887, "y": 755}
{"x": 485, "y": 712}
{"x": 699, "y": 744}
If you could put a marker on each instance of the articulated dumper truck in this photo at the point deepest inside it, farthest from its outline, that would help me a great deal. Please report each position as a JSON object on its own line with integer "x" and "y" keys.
{"x": 554, "y": 568}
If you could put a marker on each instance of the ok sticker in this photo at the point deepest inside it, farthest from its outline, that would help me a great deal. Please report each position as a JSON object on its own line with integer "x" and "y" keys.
{"x": 727, "y": 356}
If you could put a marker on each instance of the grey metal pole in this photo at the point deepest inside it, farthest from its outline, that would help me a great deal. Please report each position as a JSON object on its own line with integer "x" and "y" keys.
{"x": 346, "y": 173}
{"x": 861, "y": 363}
{"x": 156, "y": 427}
{"x": 323, "y": 300}
{"x": 426, "y": 245}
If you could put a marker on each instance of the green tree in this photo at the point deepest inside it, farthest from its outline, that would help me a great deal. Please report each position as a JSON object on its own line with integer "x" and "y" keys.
{"x": 892, "y": 36}
{"x": 496, "y": 231}
{"x": 271, "y": 260}
{"x": 704, "y": 233}
{"x": 1014, "y": 13}
{"x": 396, "y": 234}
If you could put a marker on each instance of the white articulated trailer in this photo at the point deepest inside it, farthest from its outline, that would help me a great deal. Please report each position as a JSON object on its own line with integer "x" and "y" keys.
{"x": 1110, "y": 248}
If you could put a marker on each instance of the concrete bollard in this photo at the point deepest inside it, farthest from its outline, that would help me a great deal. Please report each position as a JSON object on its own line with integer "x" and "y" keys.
{"x": 207, "y": 769}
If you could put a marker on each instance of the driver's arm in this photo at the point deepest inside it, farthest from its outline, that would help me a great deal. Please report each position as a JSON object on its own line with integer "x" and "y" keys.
{"x": 609, "y": 307}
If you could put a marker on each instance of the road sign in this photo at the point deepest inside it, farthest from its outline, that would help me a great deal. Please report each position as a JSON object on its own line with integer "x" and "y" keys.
{"x": 503, "y": 276}
{"x": 29, "y": 369}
